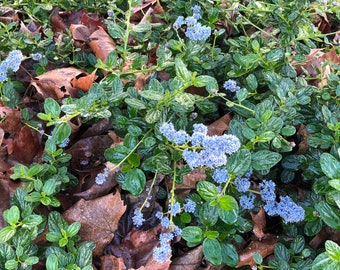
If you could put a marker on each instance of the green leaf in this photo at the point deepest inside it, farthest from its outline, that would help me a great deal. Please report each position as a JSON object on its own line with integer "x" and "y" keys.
{"x": 32, "y": 220}
{"x": 12, "y": 215}
{"x": 192, "y": 234}
{"x": 73, "y": 229}
{"x": 52, "y": 262}
{"x": 332, "y": 250}
{"x": 335, "y": 183}
{"x": 11, "y": 264}
{"x": 264, "y": 160}
{"x": 229, "y": 254}
{"x": 181, "y": 71}
{"x": 116, "y": 154}
{"x": 208, "y": 191}
{"x": 313, "y": 227}
{"x": 330, "y": 166}
{"x": 228, "y": 216}
{"x": 134, "y": 181}
{"x": 52, "y": 107}
{"x": 7, "y": 233}
{"x": 228, "y": 202}
{"x": 135, "y": 103}
{"x": 212, "y": 251}
{"x": 203, "y": 80}
{"x": 298, "y": 244}
{"x": 208, "y": 214}
{"x": 275, "y": 55}
{"x": 257, "y": 258}
{"x": 288, "y": 131}
{"x": 32, "y": 260}
{"x": 61, "y": 132}
{"x": 49, "y": 187}
{"x": 281, "y": 252}
{"x": 152, "y": 95}
{"x": 84, "y": 254}
{"x": 323, "y": 262}
{"x": 63, "y": 242}
{"x": 212, "y": 234}
{"x": 53, "y": 236}
{"x": 251, "y": 82}
{"x": 329, "y": 214}
{"x": 56, "y": 223}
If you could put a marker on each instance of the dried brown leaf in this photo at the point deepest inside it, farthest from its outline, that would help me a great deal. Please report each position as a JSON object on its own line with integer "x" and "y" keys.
{"x": 92, "y": 22}
{"x": 259, "y": 220}
{"x": 190, "y": 180}
{"x": 56, "y": 83}
{"x": 264, "y": 247}
{"x": 99, "y": 219}
{"x": 80, "y": 32}
{"x": 84, "y": 82}
{"x": 32, "y": 28}
{"x": 110, "y": 262}
{"x": 101, "y": 44}
{"x": 220, "y": 125}
{"x": 190, "y": 260}
{"x": 8, "y": 15}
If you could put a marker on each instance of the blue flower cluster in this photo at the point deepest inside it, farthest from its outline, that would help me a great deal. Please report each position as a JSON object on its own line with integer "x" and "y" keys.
{"x": 195, "y": 30}
{"x": 138, "y": 218}
{"x": 220, "y": 176}
{"x": 213, "y": 149}
{"x": 36, "y": 56}
{"x": 242, "y": 184}
{"x": 231, "y": 86}
{"x": 247, "y": 202}
{"x": 175, "y": 209}
{"x": 286, "y": 208}
{"x": 189, "y": 206}
{"x": 12, "y": 62}
{"x": 101, "y": 177}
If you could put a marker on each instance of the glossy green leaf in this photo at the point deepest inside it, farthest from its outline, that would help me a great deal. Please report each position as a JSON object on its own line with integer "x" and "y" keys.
{"x": 61, "y": 132}
{"x": 6, "y": 233}
{"x": 212, "y": 251}
{"x": 12, "y": 215}
{"x": 208, "y": 191}
{"x": 239, "y": 162}
{"x": 228, "y": 202}
{"x": 32, "y": 220}
{"x": 52, "y": 262}
{"x": 84, "y": 254}
{"x": 52, "y": 107}
{"x": 228, "y": 216}
{"x": 329, "y": 214}
{"x": 134, "y": 181}
{"x": 281, "y": 252}
{"x": 323, "y": 262}
{"x": 192, "y": 234}
{"x": 73, "y": 229}
{"x": 181, "y": 71}
{"x": 264, "y": 160}
{"x": 332, "y": 250}
{"x": 208, "y": 214}
{"x": 330, "y": 165}
{"x": 229, "y": 254}
{"x": 135, "y": 103}
{"x": 11, "y": 264}
{"x": 298, "y": 244}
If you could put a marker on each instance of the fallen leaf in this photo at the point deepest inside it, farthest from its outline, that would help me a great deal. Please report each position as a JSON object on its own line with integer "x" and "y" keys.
{"x": 58, "y": 24}
{"x": 84, "y": 82}
{"x": 264, "y": 248}
{"x": 32, "y": 28}
{"x": 259, "y": 220}
{"x": 303, "y": 137}
{"x": 190, "y": 260}
{"x": 92, "y": 22}
{"x": 101, "y": 44}
{"x": 57, "y": 83}
{"x": 110, "y": 262}
{"x": 99, "y": 219}
{"x": 8, "y": 15}
{"x": 219, "y": 126}
{"x": 190, "y": 180}
{"x": 80, "y": 32}
{"x": 26, "y": 145}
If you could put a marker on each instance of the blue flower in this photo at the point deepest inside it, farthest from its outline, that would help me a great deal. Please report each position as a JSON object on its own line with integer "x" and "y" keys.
{"x": 242, "y": 184}
{"x": 189, "y": 206}
{"x": 198, "y": 135}
{"x": 196, "y": 9}
{"x": 175, "y": 209}
{"x": 180, "y": 137}
{"x": 190, "y": 21}
{"x": 138, "y": 218}
{"x": 231, "y": 86}
{"x": 247, "y": 202}
{"x": 193, "y": 159}
{"x": 164, "y": 238}
{"x": 162, "y": 253}
{"x": 165, "y": 222}
{"x": 177, "y": 230}
{"x": 220, "y": 176}
{"x": 271, "y": 208}
{"x": 289, "y": 210}
{"x": 101, "y": 177}
{"x": 179, "y": 22}
{"x": 64, "y": 143}
{"x": 110, "y": 13}
{"x": 198, "y": 32}
{"x": 159, "y": 215}
{"x": 12, "y": 62}
{"x": 36, "y": 56}
{"x": 267, "y": 191}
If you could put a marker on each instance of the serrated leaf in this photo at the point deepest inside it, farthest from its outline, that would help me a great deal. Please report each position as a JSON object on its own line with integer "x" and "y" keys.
{"x": 208, "y": 214}
{"x": 264, "y": 160}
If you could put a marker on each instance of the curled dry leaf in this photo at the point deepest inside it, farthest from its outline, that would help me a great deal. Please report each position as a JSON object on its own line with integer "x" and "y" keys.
{"x": 32, "y": 28}
{"x": 259, "y": 223}
{"x": 56, "y": 83}
{"x": 190, "y": 260}
{"x": 101, "y": 44}
{"x": 190, "y": 180}
{"x": 92, "y": 22}
{"x": 99, "y": 219}
{"x": 80, "y": 32}
{"x": 264, "y": 247}
{"x": 8, "y": 15}
{"x": 84, "y": 82}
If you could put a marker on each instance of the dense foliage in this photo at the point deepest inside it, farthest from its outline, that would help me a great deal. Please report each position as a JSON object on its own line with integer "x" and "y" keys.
{"x": 232, "y": 140}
